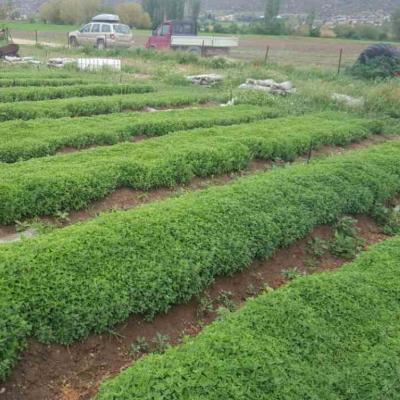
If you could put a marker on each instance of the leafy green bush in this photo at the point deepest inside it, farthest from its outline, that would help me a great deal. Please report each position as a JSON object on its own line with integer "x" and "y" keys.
{"x": 327, "y": 336}
{"x": 388, "y": 218}
{"x": 62, "y": 183}
{"x": 61, "y": 92}
{"x": 13, "y": 333}
{"x": 346, "y": 247}
{"x": 87, "y": 106}
{"x": 346, "y": 242}
{"x": 379, "y": 67}
{"x": 317, "y": 247}
{"x": 90, "y": 276}
{"x": 36, "y": 138}
{"x": 361, "y": 32}
{"x": 140, "y": 346}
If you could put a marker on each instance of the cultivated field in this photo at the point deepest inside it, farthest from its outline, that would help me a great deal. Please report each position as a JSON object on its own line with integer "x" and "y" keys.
{"x": 287, "y": 50}
{"x": 161, "y": 241}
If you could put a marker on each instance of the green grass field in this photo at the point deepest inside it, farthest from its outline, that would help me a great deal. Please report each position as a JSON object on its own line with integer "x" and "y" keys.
{"x": 35, "y": 26}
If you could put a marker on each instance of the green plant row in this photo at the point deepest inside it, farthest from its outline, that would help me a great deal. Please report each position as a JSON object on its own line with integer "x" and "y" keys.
{"x": 86, "y": 106}
{"x": 62, "y": 92}
{"x": 29, "y": 73}
{"x": 329, "y": 336}
{"x": 63, "y": 285}
{"x": 21, "y": 140}
{"x": 45, "y": 186}
{"x": 42, "y": 82}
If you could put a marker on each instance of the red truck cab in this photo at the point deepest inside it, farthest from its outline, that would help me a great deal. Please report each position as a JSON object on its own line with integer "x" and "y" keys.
{"x": 161, "y": 37}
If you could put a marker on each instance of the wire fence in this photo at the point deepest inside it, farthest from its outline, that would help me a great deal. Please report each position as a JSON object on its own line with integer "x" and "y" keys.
{"x": 326, "y": 53}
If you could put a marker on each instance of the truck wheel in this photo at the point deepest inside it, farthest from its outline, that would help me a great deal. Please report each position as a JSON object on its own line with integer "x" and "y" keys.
{"x": 73, "y": 42}
{"x": 100, "y": 44}
{"x": 195, "y": 50}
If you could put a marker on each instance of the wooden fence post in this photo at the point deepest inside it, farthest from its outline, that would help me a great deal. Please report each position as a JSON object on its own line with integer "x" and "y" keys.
{"x": 340, "y": 61}
{"x": 266, "y": 55}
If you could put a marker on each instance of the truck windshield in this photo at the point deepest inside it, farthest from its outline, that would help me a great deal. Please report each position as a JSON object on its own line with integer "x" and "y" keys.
{"x": 119, "y": 28}
{"x": 164, "y": 30}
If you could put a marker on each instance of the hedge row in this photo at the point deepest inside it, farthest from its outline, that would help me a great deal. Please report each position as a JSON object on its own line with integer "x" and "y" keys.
{"x": 42, "y": 82}
{"x": 329, "y": 336}
{"x": 21, "y": 140}
{"x": 87, "y": 277}
{"x": 87, "y": 106}
{"x": 62, "y": 92}
{"x": 70, "y": 182}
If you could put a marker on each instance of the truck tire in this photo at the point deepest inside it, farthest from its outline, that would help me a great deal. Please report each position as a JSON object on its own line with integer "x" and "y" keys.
{"x": 100, "y": 45}
{"x": 73, "y": 42}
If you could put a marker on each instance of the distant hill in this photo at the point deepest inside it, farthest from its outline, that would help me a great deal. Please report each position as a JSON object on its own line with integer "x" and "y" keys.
{"x": 323, "y": 7}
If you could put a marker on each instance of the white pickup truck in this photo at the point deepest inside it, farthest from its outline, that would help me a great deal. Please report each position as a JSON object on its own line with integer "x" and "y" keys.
{"x": 182, "y": 35}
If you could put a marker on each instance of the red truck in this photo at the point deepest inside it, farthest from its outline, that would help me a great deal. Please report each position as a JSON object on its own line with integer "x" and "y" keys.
{"x": 182, "y": 36}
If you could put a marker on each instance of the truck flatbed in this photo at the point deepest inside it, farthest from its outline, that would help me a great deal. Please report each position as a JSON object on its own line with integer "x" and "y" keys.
{"x": 204, "y": 41}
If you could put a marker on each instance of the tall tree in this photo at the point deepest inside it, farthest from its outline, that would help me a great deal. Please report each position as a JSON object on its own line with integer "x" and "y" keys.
{"x": 50, "y": 11}
{"x": 395, "y": 19}
{"x": 132, "y": 14}
{"x": 273, "y": 25}
{"x": 89, "y": 8}
{"x": 192, "y": 9}
{"x": 272, "y": 8}
{"x": 160, "y": 10}
{"x": 69, "y": 11}
{"x": 174, "y": 9}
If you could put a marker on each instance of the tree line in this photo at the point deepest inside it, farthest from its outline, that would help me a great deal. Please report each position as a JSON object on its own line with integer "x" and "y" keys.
{"x": 148, "y": 14}
{"x": 274, "y": 24}
{"x": 151, "y": 13}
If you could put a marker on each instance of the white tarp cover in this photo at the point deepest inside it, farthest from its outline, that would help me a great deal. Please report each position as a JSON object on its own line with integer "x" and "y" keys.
{"x": 95, "y": 64}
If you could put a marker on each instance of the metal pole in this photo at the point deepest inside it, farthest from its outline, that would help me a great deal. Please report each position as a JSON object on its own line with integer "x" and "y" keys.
{"x": 340, "y": 61}
{"x": 36, "y": 37}
{"x": 266, "y": 55}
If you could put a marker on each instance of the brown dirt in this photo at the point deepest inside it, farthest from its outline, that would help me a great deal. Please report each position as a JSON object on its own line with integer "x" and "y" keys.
{"x": 6, "y": 231}
{"x": 74, "y": 373}
{"x": 127, "y": 198}
{"x": 300, "y": 51}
